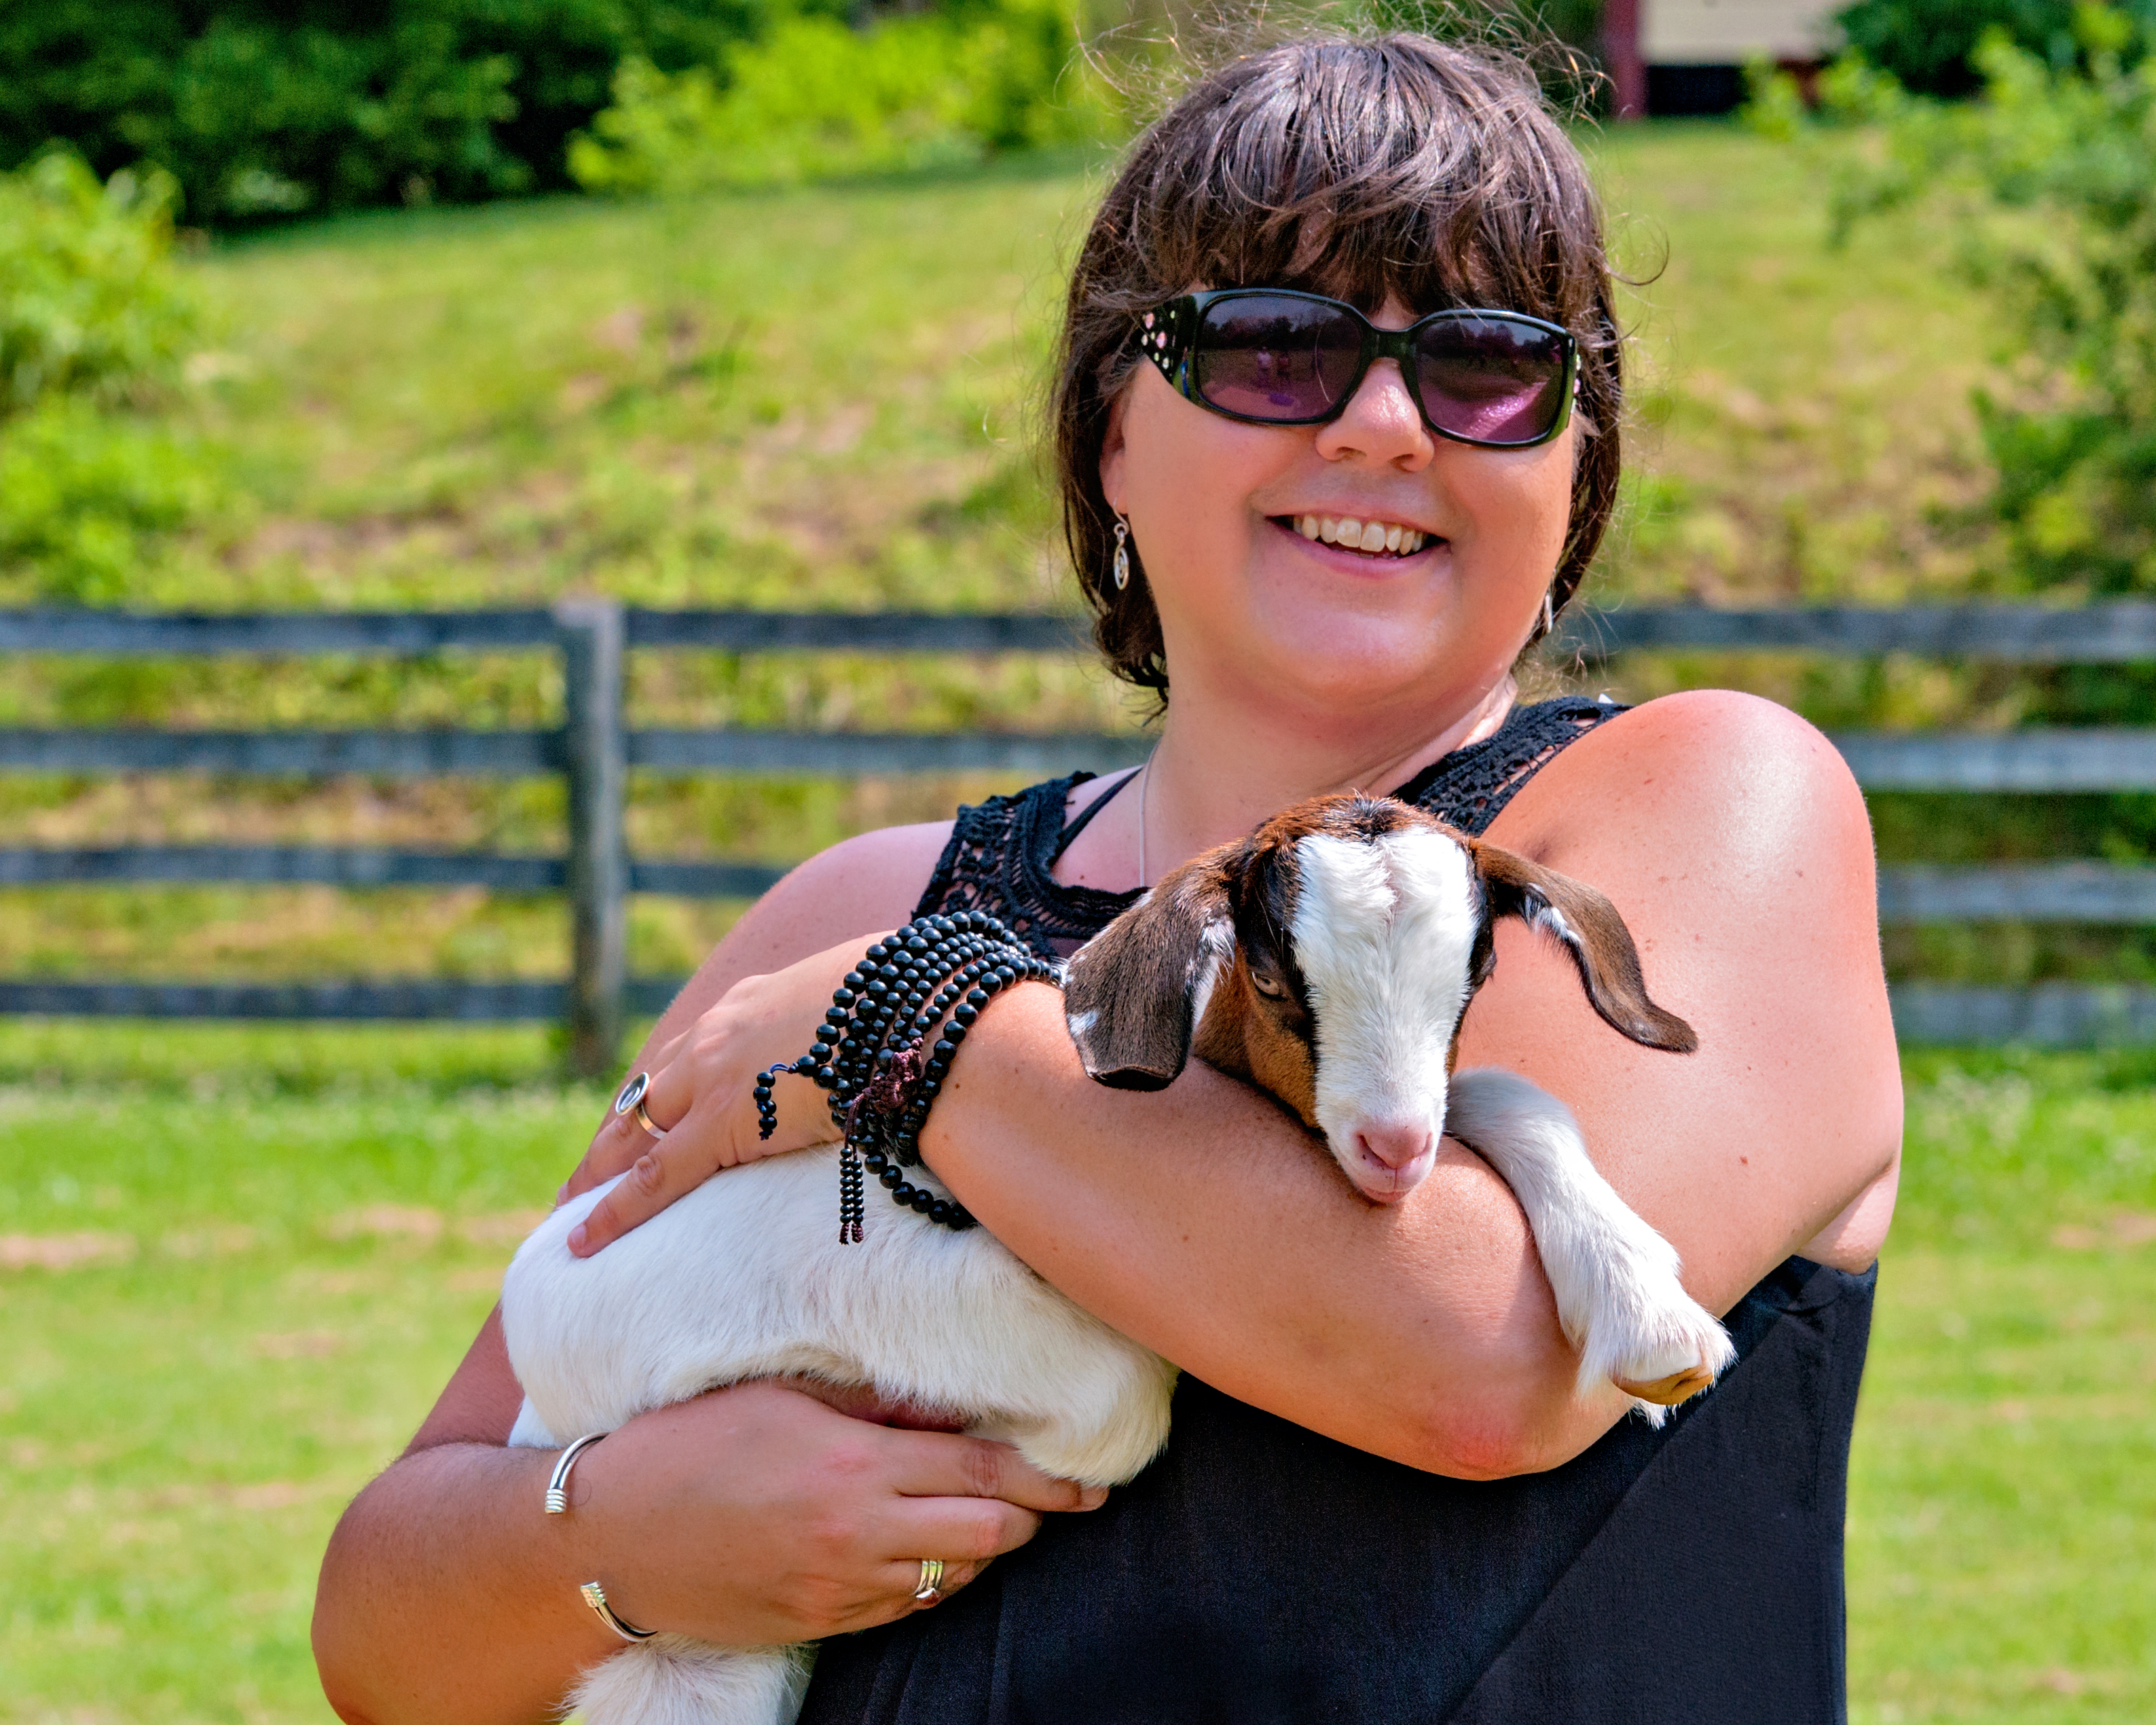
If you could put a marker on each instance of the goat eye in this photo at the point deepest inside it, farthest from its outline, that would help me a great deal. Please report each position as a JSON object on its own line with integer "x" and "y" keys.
{"x": 1271, "y": 987}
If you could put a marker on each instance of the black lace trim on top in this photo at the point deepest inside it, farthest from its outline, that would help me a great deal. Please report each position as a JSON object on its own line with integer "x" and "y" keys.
{"x": 998, "y": 860}
{"x": 1001, "y": 851}
{"x": 1470, "y": 787}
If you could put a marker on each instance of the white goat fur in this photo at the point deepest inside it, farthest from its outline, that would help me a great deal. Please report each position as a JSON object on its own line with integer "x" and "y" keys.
{"x": 1383, "y": 931}
{"x": 745, "y": 1277}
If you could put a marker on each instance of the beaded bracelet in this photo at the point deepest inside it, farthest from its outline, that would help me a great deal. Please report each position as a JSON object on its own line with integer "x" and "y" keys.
{"x": 868, "y": 1054}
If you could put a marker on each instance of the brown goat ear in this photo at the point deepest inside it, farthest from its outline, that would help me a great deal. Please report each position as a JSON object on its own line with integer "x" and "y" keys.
{"x": 1594, "y": 934}
{"x": 1134, "y": 993}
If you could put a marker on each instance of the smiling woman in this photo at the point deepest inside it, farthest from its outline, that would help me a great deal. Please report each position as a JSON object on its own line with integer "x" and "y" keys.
{"x": 1384, "y": 1496}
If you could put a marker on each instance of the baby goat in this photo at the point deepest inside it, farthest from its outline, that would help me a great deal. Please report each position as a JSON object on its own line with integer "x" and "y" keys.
{"x": 1327, "y": 958}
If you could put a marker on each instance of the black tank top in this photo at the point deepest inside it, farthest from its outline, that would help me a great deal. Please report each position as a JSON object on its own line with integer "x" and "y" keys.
{"x": 1257, "y": 1572}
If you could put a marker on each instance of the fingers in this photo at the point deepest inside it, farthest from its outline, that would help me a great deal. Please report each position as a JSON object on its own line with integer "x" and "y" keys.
{"x": 622, "y": 1138}
{"x": 937, "y": 1465}
{"x": 716, "y": 1130}
{"x": 666, "y": 1168}
{"x": 614, "y": 1149}
{"x": 903, "y": 1578}
{"x": 958, "y": 1530}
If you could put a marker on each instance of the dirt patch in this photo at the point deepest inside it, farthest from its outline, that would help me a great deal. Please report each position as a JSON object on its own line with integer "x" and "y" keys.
{"x": 300, "y": 1344}
{"x": 64, "y": 1251}
{"x": 505, "y": 1228}
{"x": 209, "y": 1242}
{"x": 2125, "y": 1228}
{"x": 385, "y": 1221}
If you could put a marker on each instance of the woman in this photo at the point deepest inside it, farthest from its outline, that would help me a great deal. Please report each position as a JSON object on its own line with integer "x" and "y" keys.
{"x": 1381, "y": 1499}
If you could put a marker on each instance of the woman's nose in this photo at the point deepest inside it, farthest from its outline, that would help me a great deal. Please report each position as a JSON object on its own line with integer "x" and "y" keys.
{"x": 1380, "y": 423}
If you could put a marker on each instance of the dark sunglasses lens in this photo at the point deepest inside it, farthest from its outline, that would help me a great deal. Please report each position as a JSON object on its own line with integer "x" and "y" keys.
{"x": 1490, "y": 380}
{"x": 1267, "y": 358}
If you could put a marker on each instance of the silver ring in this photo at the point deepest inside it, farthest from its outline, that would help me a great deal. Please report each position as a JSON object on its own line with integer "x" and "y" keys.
{"x": 931, "y": 1589}
{"x": 631, "y": 1102}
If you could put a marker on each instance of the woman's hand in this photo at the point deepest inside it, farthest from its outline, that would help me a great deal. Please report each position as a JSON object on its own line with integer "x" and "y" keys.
{"x": 758, "y": 1515}
{"x": 701, "y": 1098}
{"x": 749, "y": 1516}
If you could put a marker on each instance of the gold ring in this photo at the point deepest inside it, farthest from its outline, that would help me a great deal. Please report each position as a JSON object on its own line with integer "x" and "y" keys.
{"x": 931, "y": 1589}
{"x": 631, "y": 1102}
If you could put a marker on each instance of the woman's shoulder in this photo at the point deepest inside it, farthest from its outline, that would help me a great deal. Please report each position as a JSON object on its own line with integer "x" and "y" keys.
{"x": 886, "y": 868}
{"x": 1709, "y": 771}
{"x": 875, "y": 880}
{"x": 1732, "y": 839}
{"x": 860, "y": 887}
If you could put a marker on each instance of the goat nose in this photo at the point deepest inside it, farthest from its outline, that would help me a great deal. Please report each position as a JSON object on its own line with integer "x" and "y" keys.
{"x": 1393, "y": 1145}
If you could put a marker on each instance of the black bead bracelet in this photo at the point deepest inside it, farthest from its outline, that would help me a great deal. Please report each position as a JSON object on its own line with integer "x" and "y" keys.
{"x": 869, "y": 1052}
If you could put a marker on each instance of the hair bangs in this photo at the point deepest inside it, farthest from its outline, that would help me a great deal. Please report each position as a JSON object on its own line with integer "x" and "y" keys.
{"x": 1349, "y": 170}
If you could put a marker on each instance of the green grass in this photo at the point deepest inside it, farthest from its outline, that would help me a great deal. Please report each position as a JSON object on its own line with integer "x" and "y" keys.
{"x": 277, "y": 1243}
{"x": 2002, "y": 1561}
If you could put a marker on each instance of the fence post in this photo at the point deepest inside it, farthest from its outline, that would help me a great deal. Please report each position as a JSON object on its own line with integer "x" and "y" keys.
{"x": 594, "y": 760}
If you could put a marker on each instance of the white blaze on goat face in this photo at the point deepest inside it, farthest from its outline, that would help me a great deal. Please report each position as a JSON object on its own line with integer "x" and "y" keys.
{"x": 1385, "y": 932}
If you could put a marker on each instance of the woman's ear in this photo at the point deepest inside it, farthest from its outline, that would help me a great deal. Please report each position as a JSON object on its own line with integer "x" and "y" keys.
{"x": 1113, "y": 452}
{"x": 1594, "y": 933}
{"x": 1134, "y": 994}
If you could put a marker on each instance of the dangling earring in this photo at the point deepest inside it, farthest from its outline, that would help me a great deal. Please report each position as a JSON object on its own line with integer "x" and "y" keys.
{"x": 1549, "y": 612}
{"x": 1122, "y": 554}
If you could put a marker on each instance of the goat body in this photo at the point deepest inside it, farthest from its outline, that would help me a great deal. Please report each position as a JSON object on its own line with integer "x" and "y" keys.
{"x": 1327, "y": 958}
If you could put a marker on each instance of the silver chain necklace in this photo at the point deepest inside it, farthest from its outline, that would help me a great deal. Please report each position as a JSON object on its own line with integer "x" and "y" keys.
{"x": 1144, "y": 788}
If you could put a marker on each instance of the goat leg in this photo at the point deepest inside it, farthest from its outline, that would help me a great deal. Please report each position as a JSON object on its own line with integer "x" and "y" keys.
{"x": 1619, "y": 1297}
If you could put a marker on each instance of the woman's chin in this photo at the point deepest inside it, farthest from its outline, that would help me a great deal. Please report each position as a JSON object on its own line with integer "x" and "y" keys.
{"x": 1352, "y": 670}
{"x": 1307, "y": 641}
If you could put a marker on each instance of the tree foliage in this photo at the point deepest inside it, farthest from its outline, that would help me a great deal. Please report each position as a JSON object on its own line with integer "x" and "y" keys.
{"x": 262, "y": 108}
{"x": 816, "y": 99}
{"x": 1929, "y": 46}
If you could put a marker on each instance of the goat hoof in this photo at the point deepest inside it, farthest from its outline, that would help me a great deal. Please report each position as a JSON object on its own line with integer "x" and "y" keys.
{"x": 1668, "y": 1392}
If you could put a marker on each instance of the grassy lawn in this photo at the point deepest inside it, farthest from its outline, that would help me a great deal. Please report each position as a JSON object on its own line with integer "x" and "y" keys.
{"x": 238, "y": 1262}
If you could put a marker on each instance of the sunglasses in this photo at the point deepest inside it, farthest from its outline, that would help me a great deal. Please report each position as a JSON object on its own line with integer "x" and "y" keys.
{"x": 1499, "y": 380}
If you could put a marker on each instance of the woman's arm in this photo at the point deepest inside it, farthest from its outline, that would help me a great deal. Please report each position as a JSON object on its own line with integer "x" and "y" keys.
{"x": 1204, "y": 1222}
{"x": 753, "y": 1515}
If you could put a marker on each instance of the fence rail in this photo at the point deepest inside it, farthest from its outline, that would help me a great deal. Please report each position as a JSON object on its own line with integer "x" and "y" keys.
{"x": 2035, "y": 760}
{"x": 594, "y": 751}
{"x": 2122, "y": 632}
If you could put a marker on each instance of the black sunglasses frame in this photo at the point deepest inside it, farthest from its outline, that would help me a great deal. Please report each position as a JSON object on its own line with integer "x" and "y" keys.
{"x": 1167, "y": 333}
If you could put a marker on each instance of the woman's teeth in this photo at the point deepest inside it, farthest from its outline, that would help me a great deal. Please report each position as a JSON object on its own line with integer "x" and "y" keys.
{"x": 1386, "y": 538}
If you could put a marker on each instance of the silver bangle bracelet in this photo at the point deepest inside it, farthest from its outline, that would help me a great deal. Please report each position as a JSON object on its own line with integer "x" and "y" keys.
{"x": 557, "y": 1482}
{"x": 595, "y": 1597}
{"x": 558, "y": 1503}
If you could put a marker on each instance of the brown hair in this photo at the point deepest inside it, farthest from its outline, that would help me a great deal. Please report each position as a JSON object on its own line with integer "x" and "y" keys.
{"x": 1388, "y": 166}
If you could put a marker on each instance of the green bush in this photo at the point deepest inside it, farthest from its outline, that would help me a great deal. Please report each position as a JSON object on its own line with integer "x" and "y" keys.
{"x": 94, "y": 321}
{"x": 263, "y": 108}
{"x": 89, "y": 301}
{"x": 2054, "y": 173}
{"x": 2049, "y": 181}
{"x": 815, "y": 99}
{"x": 85, "y": 496}
{"x": 1930, "y": 46}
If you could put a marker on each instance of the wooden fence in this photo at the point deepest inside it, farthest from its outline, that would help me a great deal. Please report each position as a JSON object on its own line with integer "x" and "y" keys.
{"x": 593, "y": 749}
